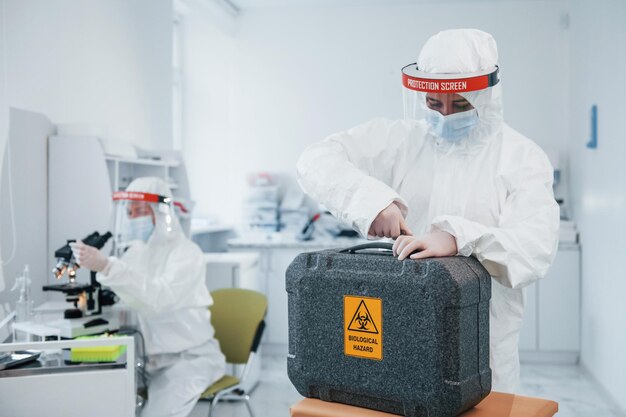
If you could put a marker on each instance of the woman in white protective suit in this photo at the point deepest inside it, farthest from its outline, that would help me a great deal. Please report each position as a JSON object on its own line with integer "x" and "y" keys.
{"x": 161, "y": 274}
{"x": 450, "y": 179}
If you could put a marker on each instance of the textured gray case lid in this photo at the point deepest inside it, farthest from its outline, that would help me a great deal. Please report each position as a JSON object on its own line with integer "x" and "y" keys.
{"x": 435, "y": 332}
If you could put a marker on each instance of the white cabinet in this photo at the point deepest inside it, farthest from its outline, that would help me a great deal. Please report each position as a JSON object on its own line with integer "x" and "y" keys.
{"x": 273, "y": 263}
{"x": 277, "y": 311}
{"x": 559, "y": 304}
{"x": 233, "y": 270}
{"x": 551, "y": 329}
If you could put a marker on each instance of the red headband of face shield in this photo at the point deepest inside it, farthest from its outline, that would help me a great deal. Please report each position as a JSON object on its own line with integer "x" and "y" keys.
{"x": 148, "y": 198}
{"x": 137, "y": 196}
{"x": 416, "y": 80}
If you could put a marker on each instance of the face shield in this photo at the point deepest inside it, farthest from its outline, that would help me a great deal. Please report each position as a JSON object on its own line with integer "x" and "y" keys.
{"x": 451, "y": 104}
{"x": 139, "y": 216}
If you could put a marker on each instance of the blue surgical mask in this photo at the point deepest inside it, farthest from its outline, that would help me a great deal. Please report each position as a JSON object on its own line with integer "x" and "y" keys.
{"x": 140, "y": 228}
{"x": 452, "y": 127}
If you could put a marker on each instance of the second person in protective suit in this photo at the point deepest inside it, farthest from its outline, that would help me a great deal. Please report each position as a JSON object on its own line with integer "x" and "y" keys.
{"x": 450, "y": 179}
{"x": 161, "y": 275}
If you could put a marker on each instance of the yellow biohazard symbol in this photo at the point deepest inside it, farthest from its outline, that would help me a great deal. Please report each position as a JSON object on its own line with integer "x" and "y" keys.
{"x": 362, "y": 320}
{"x": 363, "y": 327}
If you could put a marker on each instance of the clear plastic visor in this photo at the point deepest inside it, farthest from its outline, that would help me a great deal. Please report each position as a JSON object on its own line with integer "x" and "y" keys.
{"x": 137, "y": 218}
{"x": 445, "y": 93}
{"x": 417, "y": 104}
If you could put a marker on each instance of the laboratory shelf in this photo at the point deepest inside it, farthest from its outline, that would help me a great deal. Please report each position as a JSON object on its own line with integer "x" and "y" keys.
{"x": 172, "y": 163}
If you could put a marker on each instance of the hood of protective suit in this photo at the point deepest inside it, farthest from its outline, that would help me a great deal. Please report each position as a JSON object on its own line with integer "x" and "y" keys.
{"x": 458, "y": 51}
{"x": 166, "y": 224}
{"x": 152, "y": 185}
{"x": 467, "y": 51}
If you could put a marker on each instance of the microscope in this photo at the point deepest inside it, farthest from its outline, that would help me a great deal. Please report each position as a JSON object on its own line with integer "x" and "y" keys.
{"x": 91, "y": 295}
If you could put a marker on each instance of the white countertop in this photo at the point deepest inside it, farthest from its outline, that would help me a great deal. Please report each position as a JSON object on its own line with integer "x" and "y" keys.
{"x": 277, "y": 241}
{"x": 203, "y": 228}
{"x": 241, "y": 259}
{"x": 290, "y": 242}
{"x": 569, "y": 246}
{"x": 314, "y": 244}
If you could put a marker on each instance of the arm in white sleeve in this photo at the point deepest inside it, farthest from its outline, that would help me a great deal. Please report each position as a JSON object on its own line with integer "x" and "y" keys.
{"x": 522, "y": 247}
{"x": 167, "y": 290}
{"x": 350, "y": 172}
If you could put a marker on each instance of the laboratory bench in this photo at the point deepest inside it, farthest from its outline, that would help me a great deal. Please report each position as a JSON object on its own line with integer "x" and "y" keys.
{"x": 52, "y": 387}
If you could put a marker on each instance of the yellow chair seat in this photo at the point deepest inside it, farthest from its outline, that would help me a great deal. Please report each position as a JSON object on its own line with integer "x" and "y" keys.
{"x": 226, "y": 381}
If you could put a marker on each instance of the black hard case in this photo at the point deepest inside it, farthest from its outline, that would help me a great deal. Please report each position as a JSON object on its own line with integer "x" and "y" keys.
{"x": 435, "y": 331}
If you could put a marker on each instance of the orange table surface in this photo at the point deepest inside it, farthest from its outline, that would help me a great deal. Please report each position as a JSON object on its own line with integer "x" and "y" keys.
{"x": 495, "y": 405}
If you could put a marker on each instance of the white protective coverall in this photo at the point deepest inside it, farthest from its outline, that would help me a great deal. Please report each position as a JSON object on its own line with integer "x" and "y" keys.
{"x": 492, "y": 190}
{"x": 164, "y": 281}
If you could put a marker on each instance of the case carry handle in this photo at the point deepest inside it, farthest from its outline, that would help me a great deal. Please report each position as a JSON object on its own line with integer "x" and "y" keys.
{"x": 371, "y": 245}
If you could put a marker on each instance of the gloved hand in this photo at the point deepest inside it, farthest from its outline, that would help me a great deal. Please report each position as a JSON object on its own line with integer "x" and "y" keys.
{"x": 389, "y": 223}
{"x": 89, "y": 257}
{"x": 431, "y": 245}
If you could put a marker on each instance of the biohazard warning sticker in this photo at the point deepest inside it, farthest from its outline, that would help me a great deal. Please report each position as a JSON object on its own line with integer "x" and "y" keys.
{"x": 363, "y": 327}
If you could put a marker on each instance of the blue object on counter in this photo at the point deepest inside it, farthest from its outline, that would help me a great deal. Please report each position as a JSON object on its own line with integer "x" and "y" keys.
{"x": 593, "y": 141}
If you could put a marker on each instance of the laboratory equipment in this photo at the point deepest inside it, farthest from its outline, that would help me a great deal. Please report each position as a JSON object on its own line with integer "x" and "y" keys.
{"x": 109, "y": 353}
{"x": 65, "y": 258}
{"x": 24, "y": 304}
{"x": 262, "y": 202}
{"x": 85, "y": 296}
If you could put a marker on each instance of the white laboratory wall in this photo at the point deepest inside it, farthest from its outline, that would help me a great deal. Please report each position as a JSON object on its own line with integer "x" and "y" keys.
{"x": 206, "y": 74}
{"x": 4, "y": 309}
{"x": 4, "y": 110}
{"x": 301, "y": 73}
{"x": 597, "y": 188}
{"x": 103, "y": 62}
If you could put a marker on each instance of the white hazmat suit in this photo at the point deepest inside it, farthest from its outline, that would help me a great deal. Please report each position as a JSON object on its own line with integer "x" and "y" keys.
{"x": 491, "y": 190}
{"x": 164, "y": 281}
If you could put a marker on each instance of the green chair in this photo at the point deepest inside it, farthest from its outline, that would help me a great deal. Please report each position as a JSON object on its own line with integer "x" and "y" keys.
{"x": 237, "y": 315}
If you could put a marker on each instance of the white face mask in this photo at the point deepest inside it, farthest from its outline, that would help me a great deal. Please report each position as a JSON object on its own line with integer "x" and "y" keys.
{"x": 140, "y": 228}
{"x": 452, "y": 127}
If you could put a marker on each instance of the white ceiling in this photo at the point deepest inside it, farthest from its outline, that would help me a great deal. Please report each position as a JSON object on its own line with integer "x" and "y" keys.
{"x": 263, "y": 4}
{"x": 269, "y": 4}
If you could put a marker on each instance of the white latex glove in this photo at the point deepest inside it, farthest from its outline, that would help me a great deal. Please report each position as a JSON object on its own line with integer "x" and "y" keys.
{"x": 431, "y": 245}
{"x": 389, "y": 223}
{"x": 89, "y": 257}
